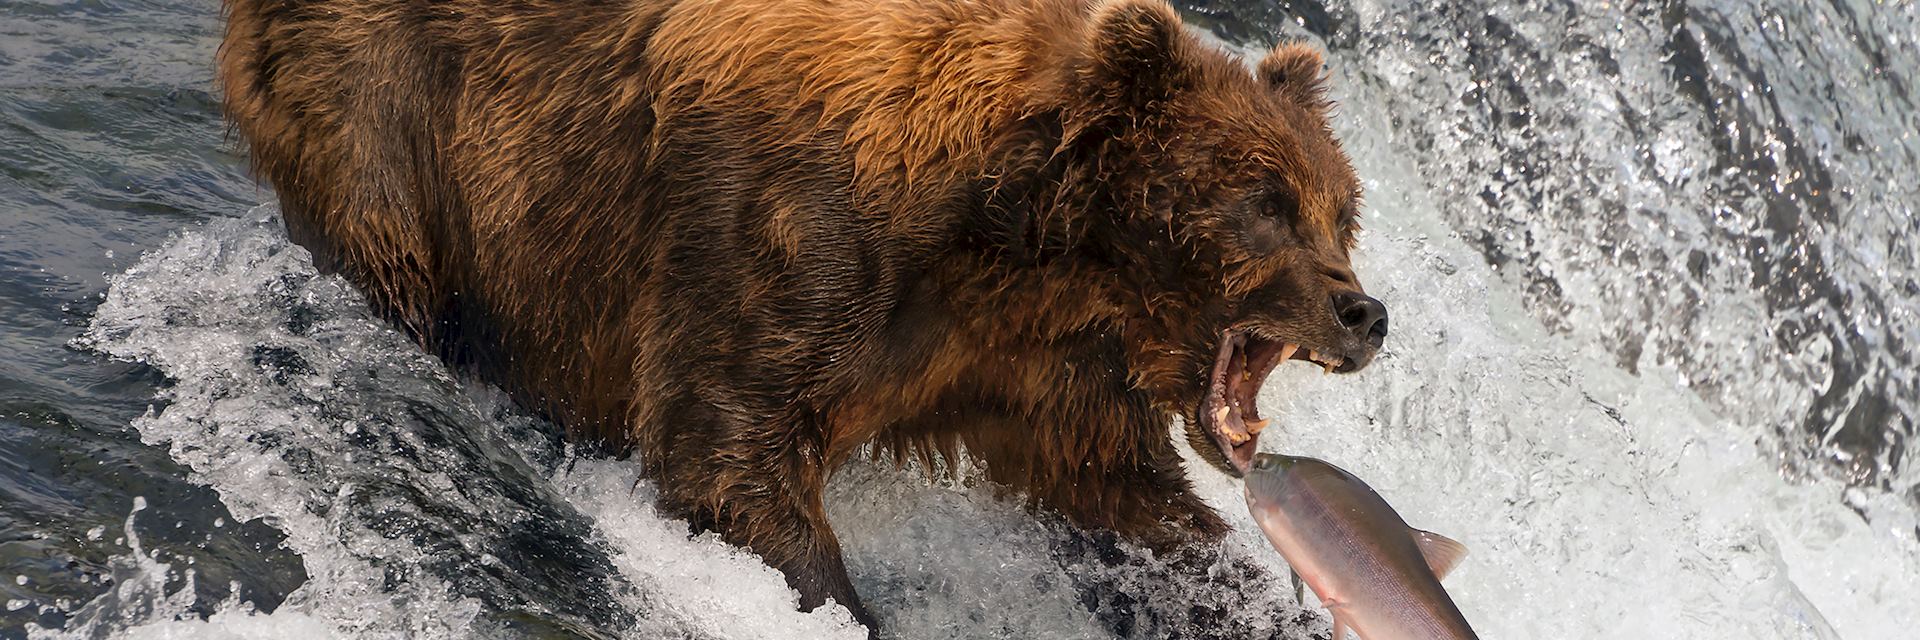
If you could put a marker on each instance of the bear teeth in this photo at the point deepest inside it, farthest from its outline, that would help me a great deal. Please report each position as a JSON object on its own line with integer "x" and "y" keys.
{"x": 1327, "y": 362}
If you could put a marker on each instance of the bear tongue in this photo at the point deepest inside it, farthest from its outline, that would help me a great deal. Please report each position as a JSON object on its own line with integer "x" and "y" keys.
{"x": 1229, "y": 418}
{"x": 1247, "y": 389}
{"x": 1230, "y": 411}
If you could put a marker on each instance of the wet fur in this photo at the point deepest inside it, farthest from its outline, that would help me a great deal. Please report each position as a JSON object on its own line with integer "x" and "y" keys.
{"x": 747, "y": 239}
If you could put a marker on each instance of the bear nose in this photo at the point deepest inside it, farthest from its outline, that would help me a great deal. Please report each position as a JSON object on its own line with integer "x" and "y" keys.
{"x": 1363, "y": 315}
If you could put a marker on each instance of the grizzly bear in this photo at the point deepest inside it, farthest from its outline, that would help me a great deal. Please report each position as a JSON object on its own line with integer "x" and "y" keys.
{"x": 746, "y": 240}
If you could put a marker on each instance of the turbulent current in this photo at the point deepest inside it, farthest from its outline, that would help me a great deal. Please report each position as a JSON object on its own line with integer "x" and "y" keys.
{"x": 1654, "y": 284}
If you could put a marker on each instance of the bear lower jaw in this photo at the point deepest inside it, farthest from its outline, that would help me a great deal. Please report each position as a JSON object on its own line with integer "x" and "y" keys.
{"x": 1229, "y": 412}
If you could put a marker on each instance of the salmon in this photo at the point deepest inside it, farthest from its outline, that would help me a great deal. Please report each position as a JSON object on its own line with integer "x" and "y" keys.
{"x": 1375, "y": 575}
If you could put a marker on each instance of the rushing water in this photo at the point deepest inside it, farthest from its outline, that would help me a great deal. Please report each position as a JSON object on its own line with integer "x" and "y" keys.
{"x": 1653, "y": 273}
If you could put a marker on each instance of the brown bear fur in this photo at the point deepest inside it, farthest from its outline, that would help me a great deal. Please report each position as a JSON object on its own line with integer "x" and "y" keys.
{"x": 748, "y": 239}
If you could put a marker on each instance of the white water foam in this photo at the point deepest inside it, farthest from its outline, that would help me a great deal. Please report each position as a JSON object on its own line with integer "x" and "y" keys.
{"x": 1719, "y": 187}
{"x": 200, "y": 309}
{"x": 1597, "y": 503}
{"x": 193, "y": 311}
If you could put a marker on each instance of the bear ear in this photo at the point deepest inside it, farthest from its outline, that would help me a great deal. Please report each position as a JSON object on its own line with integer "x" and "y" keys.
{"x": 1297, "y": 71}
{"x": 1135, "y": 51}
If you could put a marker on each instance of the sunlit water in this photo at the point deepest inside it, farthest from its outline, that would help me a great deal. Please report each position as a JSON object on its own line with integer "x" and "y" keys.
{"x": 1651, "y": 268}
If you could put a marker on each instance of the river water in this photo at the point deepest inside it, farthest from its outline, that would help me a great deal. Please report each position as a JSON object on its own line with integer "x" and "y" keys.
{"x": 1653, "y": 273}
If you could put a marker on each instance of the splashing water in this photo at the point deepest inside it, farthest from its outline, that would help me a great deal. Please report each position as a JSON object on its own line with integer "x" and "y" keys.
{"x": 1719, "y": 192}
{"x": 411, "y": 504}
{"x": 141, "y": 596}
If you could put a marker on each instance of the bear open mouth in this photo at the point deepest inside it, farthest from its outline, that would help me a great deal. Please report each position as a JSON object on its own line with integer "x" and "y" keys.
{"x": 1229, "y": 412}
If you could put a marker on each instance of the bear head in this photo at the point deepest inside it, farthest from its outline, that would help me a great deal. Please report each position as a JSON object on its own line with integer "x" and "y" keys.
{"x": 1227, "y": 209}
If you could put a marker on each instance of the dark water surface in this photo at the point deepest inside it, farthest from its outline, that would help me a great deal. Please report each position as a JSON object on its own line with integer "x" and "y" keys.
{"x": 111, "y": 141}
{"x": 1714, "y": 199}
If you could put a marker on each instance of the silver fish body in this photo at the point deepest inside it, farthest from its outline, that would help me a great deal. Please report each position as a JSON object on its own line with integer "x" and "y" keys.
{"x": 1376, "y": 575}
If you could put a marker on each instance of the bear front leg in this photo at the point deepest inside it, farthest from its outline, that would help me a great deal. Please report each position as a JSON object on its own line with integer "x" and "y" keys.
{"x": 789, "y": 531}
{"x": 1105, "y": 463}
{"x": 760, "y": 486}
{"x": 1108, "y": 465}
{"x": 1197, "y": 588}
{"x": 1149, "y": 502}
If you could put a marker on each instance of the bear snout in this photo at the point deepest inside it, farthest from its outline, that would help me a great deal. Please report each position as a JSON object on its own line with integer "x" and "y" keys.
{"x": 1362, "y": 315}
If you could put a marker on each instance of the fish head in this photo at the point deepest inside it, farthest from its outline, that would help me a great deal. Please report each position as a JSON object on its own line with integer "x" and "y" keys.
{"x": 1272, "y": 480}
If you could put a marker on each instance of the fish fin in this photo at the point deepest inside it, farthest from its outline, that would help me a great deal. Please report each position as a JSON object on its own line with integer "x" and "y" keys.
{"x": 1442, "y": 553}
{"x": 1339, "y": 624}
{"x": 1299, "y": 594}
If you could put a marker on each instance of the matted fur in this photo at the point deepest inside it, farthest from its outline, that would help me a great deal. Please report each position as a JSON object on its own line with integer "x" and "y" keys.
{"x": 747, "y": 238}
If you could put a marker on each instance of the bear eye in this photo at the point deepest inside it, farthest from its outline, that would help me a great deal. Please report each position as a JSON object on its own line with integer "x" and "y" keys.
{"x": 1282, "y": 204}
